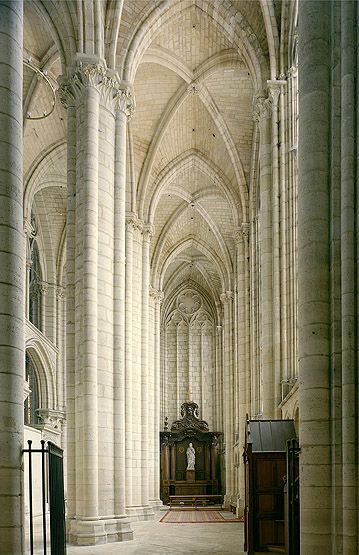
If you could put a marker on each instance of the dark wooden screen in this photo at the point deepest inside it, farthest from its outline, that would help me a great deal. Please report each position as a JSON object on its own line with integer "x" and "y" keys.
{"x": 268, "y": 481}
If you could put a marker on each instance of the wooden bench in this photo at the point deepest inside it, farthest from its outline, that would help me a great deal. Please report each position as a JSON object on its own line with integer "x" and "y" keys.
{"x": 195, "y": 500}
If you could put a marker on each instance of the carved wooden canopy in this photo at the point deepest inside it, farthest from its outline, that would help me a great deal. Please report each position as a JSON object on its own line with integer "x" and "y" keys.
{"x": 189, "y": 426}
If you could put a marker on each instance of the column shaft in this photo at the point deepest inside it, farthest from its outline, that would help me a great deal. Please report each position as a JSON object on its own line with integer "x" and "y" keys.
{"x": 70, "y": 312}
{"x": 12, "y": 307}
{"x": 157, "y": 400}
{"x": 313, "y": 276}
{"x": 227, "y": 299}
{"x": 119, "y": 285}
{"x": 89, "y": 500}
{"x": 145, "y": 378}
{"x": 128, "y": 363}
{"x": 349, "y": 314}
{"x": 266, "y": 259}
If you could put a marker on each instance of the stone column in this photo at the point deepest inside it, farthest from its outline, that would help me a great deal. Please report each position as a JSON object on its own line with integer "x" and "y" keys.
{"x": 254, "y": 394}
{"x": 349, "y": 260}
{"x": 157, "y": 356}
{"x": 157, "y": 297}
{"x": 146, "y": 379}
{"x": 151, "y": 395}
{"x": 87, "y": 177}
{"x": 68, "y": 100}
{"x": 292, "y": 107}
{"x": 227, "y": 300}
{"x": 136, "y": 434}
{"x": 274, "y": 91}
{"x": 243, "y": 370}
{"x": 130, "y": 227}
{"x": 12, "y": 306}
{"x": 263, "y": 110}
{"x": 314, "y": 278}
{"x": 219, "y": 379}
{"x": 124, "y": 107}
{"x": 60, "y": 367}
{"x": 91, "y": 96}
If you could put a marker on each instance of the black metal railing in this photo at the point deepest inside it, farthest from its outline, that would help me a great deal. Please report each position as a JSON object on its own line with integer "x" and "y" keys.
{"x": 52, "y": 476}
{"x": 293, "y": 497}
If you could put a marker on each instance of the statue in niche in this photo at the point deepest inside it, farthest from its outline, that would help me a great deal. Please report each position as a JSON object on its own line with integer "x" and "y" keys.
{"x": 191, "y": 457}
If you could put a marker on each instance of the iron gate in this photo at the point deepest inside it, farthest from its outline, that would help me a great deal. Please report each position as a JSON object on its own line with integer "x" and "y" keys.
{"x": 52, "y": 483}
{"x": 293, "y": 497}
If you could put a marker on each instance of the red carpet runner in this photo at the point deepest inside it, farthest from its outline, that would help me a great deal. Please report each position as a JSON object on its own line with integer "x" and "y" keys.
{"x": 179, "y": 517}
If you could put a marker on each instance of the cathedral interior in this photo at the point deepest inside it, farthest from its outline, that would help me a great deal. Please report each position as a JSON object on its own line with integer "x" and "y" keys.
{"x": 178, "y": 227}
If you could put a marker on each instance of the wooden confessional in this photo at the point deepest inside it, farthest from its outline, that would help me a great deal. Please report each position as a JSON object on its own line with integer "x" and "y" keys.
{"x": 271, "y": 487}
{"x": 176, "y": 480}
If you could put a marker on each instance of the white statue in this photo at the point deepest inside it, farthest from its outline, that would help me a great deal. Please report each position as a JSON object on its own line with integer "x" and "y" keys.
{"x": 191, "y": 457}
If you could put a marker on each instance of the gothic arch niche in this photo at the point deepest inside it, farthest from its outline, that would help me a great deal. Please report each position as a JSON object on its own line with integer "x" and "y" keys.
{"x": 35, "y": 287}
{"x": 31, "y": 402}
{"x": 189, "y": 354}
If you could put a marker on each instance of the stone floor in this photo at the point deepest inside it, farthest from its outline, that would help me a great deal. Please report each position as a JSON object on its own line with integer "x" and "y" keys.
{"x": 157, "y": 538}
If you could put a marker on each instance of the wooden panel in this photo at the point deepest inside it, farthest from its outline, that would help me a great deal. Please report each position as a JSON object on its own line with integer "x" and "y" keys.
{"x": 268, "y": 499}
{"x": 266, "y": 503}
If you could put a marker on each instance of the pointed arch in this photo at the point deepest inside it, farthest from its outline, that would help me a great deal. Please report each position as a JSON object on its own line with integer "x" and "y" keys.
{"x": 190, "y": 158}
{"x": 224, "y": 273}
{"x": 44, "y": 372}
{"x": 232, "y": 24}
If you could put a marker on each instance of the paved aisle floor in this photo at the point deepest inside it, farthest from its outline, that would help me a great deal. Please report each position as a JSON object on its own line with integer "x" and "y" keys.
{"x": 156, "y": 538}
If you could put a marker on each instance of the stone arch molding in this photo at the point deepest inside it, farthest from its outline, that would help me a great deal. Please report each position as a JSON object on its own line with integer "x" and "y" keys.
{"x": 44, "y": 371}
{"x": 226, "y": 18}
{"x": 190, "y": 310}
{"x": 40, "y": 175}
{"x": 187, "y": 160}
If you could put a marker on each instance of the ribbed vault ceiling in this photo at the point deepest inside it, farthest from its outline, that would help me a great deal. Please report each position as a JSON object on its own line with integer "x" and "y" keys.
{"x": 192, "y": 130}
{"x": 192, "y": 133}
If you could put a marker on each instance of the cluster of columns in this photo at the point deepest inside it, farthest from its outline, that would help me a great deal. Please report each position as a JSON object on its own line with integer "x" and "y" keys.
{"x": 111, "y": 379}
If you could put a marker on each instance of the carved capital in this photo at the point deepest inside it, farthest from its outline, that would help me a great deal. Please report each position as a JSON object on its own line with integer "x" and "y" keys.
{"x": 292, "y": 71}
{"x": 60, "y": 292}
{"x": 43, "y": 287}
{"x": 148, "y": 231}
{"x": 262, "y": 108}
{"x": 242, "y": 233}
{"x": 124, "y": 101}
{"x": 156, "y": 295}
{"x": 52, "y": 418}
{"x": 113, "y": 95}
{"x": 85, "y": 75}
{"x": 133, "y": 223}
{"x": 274, "y": 90}
{"x": 227, "y": 297}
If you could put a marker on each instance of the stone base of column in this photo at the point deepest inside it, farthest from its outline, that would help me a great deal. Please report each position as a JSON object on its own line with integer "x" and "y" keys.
{"x": 99, "y": 531}
{"x": 240, "y": 507}
{"x": 228, "y": 500}
{"x": 156, "y": 504}
{"x": 140, "y": 512}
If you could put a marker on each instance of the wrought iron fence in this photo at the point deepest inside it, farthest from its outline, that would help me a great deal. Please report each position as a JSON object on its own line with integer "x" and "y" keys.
{"x": 52, "y": 484}
{"x": 293, "y": 497}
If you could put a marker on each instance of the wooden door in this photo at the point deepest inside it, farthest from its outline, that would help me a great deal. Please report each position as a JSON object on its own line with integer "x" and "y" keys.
{"x": 269, "y": 470}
